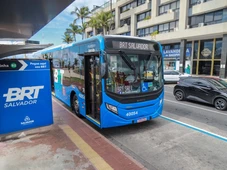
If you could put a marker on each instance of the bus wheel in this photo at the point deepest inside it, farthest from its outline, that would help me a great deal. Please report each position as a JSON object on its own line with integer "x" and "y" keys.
{"x": 75, "y": 106}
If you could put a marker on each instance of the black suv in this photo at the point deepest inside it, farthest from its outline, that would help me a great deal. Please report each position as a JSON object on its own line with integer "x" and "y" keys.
{"x": 202, "y": 89}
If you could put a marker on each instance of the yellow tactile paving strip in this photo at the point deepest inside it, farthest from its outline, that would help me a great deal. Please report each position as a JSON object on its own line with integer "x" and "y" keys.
{"x": 98, "y": 162}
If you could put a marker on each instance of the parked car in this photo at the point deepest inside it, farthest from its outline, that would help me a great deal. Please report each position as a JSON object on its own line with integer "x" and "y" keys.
{"x": 172, "y": 76}
{"x": 203, "y": 89}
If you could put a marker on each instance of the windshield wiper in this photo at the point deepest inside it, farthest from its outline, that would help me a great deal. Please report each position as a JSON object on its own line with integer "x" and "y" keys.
{"x": 153, "y": 53}
{"x": 127, "y": 60}
{"x": 129, "y": 63}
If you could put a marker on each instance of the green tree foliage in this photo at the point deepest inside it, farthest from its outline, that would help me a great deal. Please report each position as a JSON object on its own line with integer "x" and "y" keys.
{"x": 81, "y": 13}
{"x": 67, "y": 38}
{"x": 74, "y": 29}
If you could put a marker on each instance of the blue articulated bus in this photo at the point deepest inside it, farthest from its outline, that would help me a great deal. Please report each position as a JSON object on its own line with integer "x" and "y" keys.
{"x": 109, "y": 80}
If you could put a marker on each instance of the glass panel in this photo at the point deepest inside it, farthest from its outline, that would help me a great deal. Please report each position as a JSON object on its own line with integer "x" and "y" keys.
{"x": 209, "y": 17}
{"x": 155, "y": 28}
{"x": 189, "y": 45}
{"x": 166, "y": 8}
{"x": 204, "y": 67}
{"x": 178, "y": 4}
{"x": 172, "y": 25}
{"x": 194, "y": 67}
{"x": 173, "y": 5}
{"x": 196, "y": 50}
{"x": 161, "y": 27}
{"x": 199, "y": 19}
{"x": 216, "y": 69}
{"x": 218, "y": 15}
{"x": 166, "y": 26}
{"x": 146, "y": 78}
{"x": 161, "y": 10}
{"x": 206, "y": 48}
{"x": 224, "y": 19}
{"x": 218, "y": 49}
{"x": 177, "y": 24}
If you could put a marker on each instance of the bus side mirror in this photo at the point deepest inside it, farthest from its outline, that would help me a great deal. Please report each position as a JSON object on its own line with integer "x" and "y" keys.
{"x": 103, "y": 70}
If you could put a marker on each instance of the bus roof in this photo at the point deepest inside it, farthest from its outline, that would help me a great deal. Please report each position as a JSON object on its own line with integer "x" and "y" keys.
{"x": 100, "y": 38}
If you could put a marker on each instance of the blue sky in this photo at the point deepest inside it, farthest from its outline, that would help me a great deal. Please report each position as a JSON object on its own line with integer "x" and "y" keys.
{"x": 54, "y": 30}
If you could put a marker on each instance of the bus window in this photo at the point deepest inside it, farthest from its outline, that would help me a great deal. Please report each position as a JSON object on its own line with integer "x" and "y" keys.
{"x": 66, "y": 68}
{"x": 146, "y": 78}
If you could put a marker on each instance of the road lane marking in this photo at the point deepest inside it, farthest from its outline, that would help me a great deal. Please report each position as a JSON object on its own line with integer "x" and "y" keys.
{"x": 97, "y": 161}
{"x": 196, "y": 107}
{"x": 195, "y": 128}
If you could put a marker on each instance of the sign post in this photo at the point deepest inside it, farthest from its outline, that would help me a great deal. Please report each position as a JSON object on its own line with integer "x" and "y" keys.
{"x": 25, "y": 95}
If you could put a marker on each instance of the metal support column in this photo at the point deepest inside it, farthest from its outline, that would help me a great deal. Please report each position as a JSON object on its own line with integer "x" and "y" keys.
{"x": 182, "y": 55}
{"x": 223, "y": 70}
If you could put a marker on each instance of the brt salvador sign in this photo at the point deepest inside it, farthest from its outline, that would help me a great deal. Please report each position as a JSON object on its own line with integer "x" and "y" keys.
{"x": 25, "y": 95}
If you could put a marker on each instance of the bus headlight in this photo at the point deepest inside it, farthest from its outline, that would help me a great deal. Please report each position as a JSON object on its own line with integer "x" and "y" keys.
{"x": 112, "y": 108}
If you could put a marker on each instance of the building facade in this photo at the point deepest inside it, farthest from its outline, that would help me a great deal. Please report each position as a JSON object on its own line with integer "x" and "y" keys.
{"x": 193, "y": 33}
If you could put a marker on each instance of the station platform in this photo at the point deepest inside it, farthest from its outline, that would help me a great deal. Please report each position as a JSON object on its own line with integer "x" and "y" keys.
{"x": 68, "y": 144}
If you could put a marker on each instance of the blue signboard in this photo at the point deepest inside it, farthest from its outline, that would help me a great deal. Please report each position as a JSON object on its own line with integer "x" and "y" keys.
{"x": 175, "y": 53}
{"x": 25, "y": 95}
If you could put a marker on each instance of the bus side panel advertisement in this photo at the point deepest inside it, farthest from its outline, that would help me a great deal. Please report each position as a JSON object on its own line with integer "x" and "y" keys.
{"x": 25, "y": 95}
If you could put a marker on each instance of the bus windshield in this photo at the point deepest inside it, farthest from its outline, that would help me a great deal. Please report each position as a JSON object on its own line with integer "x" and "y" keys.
{"x": 146, "y": 77}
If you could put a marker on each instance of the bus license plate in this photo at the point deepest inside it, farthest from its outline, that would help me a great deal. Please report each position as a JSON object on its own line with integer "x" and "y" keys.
{"x": 141, "y": 120}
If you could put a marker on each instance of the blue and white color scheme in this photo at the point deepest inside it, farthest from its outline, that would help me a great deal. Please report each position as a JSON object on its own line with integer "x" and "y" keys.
{"x": 175, "y": 53}
{"x": 25, "y": 95}
{"x": 110, "y": 80}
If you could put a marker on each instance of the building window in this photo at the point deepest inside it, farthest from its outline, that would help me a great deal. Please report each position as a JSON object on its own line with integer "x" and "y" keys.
{"x": 126, "y": 7}
{"x": 140, "y": 2}
{"x": 90, "y": 34}
{"x": 174, "y": 6}
{"x": 162, "y": 28}
{"x": 143, "y": 16}
{"x": 207, "y": 61}
{"x": 196, "y": 2}
{"x": 206, "y": 49}
{"x": 146, "y": 31}
{"x": 196, "y": 45}
{"x": 113, "y": 12}
{"x": 126, "y": 21}
{"x": 168, "y": 27}
{"x": 206, "y": 19}
{"x": 218, "y": 49}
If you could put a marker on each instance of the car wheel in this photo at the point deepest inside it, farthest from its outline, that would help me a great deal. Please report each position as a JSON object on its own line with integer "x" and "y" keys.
{"x": 75, "y": 106}
{"x": 220, "y": 104}
{"x": 179, "y": 95}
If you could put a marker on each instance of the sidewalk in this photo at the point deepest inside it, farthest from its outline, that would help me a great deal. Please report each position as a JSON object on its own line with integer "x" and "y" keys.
{"x": 69, "y": 144}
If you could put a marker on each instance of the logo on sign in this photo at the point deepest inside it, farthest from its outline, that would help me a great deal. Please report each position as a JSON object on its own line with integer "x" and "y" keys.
{"x": 27, "y": 121}
{"x": 206, "y": 52}
{"x": 22, "y": 96}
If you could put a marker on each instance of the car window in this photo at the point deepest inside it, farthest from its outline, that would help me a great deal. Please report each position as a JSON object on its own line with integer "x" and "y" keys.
{"x": 188, "y": 80}
{"x": 201, "y": 83}
{"x": 175, "y": 73}
{"x": 219, "y": 84}
{"x": 167, "y": 73}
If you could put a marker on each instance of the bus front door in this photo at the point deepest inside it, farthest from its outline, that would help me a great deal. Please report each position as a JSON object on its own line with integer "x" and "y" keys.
{"x": 93, "y": 87}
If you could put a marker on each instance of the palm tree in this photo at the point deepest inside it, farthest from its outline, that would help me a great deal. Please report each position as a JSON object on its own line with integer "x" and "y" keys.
{"x": 74, "y": 29}
{"x": 81, "y": 13}
{"x": 83, "y": 28}
{"x": 93, "y": 23}
{"x": 67, "y": 38}
{"x": 105, "y": 20}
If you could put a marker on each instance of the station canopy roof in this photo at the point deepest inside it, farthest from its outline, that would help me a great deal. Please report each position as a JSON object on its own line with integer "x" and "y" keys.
{"x": 21, "y": 19}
